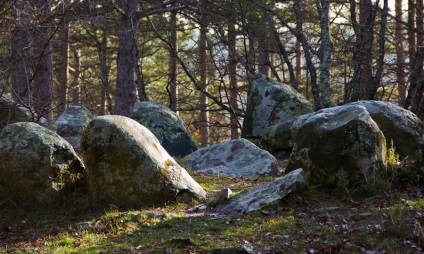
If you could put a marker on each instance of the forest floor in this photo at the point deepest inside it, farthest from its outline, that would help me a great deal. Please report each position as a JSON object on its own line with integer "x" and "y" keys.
{"x": 311, "y": 222}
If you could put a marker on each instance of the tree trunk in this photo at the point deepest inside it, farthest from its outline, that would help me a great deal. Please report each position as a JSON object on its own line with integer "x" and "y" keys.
{"x": 298, "y": 68}
{"x": 324, "y": 53}
{"x": 75, "y": 73}
{"x": 232, "y": 61}
{"x": 62, "y": 68}
{"x": 43, "y": 63}
{"x": 20, "y": 56}
{"x": 204, "y": 113}
{"x": 125, "y": 80}
{"x": 173, "y": 74}
{"x": 400, "y": 53}
{"x": 376, "y": 80}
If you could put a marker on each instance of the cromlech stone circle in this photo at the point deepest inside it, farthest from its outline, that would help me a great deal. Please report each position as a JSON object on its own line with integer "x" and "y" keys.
{"x": 166, "y": 125}
{"x": 235, "y": 158}
{"x": 127, "y": 166}
{"x": 37, "y": 167}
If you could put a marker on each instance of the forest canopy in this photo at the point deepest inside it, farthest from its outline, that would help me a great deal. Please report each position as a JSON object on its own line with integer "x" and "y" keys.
{"x": 198, "y": 57}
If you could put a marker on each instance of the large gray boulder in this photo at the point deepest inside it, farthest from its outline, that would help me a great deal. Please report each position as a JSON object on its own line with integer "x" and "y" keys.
{"x": 265, "y": 195}
{"x": 37, "y": 166}
{"x": 399, "y": 125}
{"x": 127, "y": 165}
{"x": 166, "y": 125}
{"x": 72, "y": 123}
{"x": 340, "y": 147}
{"x": 270, "y": 102}
{"x": 12, "y": 112}
{"x": 234, "y": 158}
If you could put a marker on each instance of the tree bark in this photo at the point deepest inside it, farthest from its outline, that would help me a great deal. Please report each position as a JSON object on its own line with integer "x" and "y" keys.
{"x": 376, "y": 80}
{"x": 20, "y": 55}
{"x": 400, "y": 53}
{"x": 173, "y": 73}
{"x": 204, "y": 113}
{"x": 125, "y": 81}
{"x": 43, "y": 63}
{"x": 232, "y": 61}
{"x": 324, "y": 53}
{"x": 75, "y": 73}
{"x": 62, "y": 69}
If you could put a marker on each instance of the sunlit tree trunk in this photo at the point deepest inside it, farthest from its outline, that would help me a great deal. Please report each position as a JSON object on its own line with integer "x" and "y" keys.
{"x": 232, "y": 61}
{"x": 125, "y": 80}
{"x": 75, "y": 73}
{"x": 204, "y": 113}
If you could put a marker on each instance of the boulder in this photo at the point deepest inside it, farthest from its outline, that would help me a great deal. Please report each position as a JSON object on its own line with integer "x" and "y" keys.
{"x": 270, "y": 102}
{"x": 37, "y": 166}
{"x": 281, "y": 136}
{"x": 266, "y": 195}
{"x": 235, "y": 158}
{"x": 340, "y": 147}
{"x": 12, "y": 112}
{"x": 166, "y": 125}
{"x": 127, "y": 165}
{"x": 400, "y": 126}
{"x": 72, "y": 123}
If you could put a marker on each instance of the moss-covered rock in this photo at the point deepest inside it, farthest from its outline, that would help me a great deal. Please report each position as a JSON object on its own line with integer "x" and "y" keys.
{"x": 281, "y": 136}
{"x": 340, "y": 147}
{"x": 12, "y": 112}
{"x": 127, "y": 165}
{"x": 399, "y": 125}
{"x": 270, "y": 102}
{"x": 37, "y": 166}
{"x": 167, "y": 126}
{"x": 238, "y": 157}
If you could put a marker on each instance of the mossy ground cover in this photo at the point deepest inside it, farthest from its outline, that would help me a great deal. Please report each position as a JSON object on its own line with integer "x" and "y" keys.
{"x": 313, "y": 222}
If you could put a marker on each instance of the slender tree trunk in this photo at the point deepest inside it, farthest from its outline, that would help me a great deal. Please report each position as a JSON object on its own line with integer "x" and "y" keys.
{"x": 233, "y": 100}
{"x": 376, "y": 80}
{"x": 20, "y": 54}
{"x": 298, "y": 68}
{"x": 400, "y": 53}
{"x": 204, "y": 113}
{"x": 366, "y": 33}
{"x": 43, "y": 62}
{"x": 125, "y": 81}
{"x": 173, "y": 74}
{"x": 420, "y": 45}
{"x": 75, "y": 73}
{"x": 324, "y": 53}
{"x": 104, "y": 70}
{"x": 62, "y": 69}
